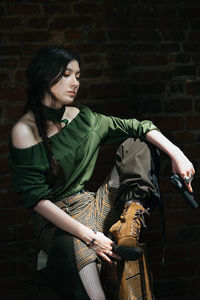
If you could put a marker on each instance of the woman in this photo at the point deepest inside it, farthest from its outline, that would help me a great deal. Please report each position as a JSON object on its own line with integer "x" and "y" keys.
{"x": 53, "y": 151}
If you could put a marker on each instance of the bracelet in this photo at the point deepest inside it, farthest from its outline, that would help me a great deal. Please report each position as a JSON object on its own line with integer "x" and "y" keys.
{"x": 91, "y": 243}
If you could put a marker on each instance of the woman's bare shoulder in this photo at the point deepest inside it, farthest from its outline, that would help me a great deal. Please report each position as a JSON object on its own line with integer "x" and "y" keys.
{"x": 23, "y": 132}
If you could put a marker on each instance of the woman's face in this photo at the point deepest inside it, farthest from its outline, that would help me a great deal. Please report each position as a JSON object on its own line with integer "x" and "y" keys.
{"x": 66, "y": 89}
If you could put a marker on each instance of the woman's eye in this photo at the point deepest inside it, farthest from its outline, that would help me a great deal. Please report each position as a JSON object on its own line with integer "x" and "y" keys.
{"x": 65, "y": 75}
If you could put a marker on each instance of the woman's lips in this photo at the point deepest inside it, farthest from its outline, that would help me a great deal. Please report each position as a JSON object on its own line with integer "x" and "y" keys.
{"x": 71, "y": 93}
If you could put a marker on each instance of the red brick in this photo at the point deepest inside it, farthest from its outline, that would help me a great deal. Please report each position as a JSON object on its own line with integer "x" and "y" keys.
{"x": 119, "y": 35}
{"x": 120, "y": 22}
{"x": 98, "y": 36}
{"x": 174, "y": 270}
{"x": 193, "y": 122}
{"x": 4, "y": 181}
{"x": 4, "y": 165}
{"x": 117, "y": 70}
{"x": 192, "y": 217}
{"x": 6, "y": 268}
{"x": 176, "y": 87}
{"x": 15, "y": 216}
{"x": 85, "y": 48}
{"x": 9, "y": 199}
{"x": 4, "y": 148}
{"x": 172, "y": 23}
{"x": 31, "y": 49}
{"x": 166, "y": 11}
{"x": 146, "y": 75}
{"x": 11, "y": 286}
{"x": 169, "y": 123}
{"x": 195, "y": 24}
{"x": 185, "y": 136}
{"x": 89, "y": 8}
{"x": 23, "y": 268}
{"x": 24, "y": 62}
{"x": 180, "y": 58}
{"x": 32, "y": 36}
{"x": 149, "y": 59}
{"x": 4, "y": 77}
{"x": 8, "y": 63}
{"x": 15, "y": 250}
{"x": 57, "y": 8}
{"x": 178, "y": 105}
{"x": 148, "y": 88}
{"x": 59, "y": 23}
{"x": 193, "y": 150}
{"x": 169, "y": 47}
{"x": 10, "y": 22}
{"x": 145, "y": 35}
{"x": 173, "y": 35}
{"x": 185, "y": 70}
{"x": 23, "y": 9}
{"x": 175, "y": 218}
{"x": 176, "y": 253}
{"x": 14, "y": 112}
{"x": 114, "y": 108}
{"x": 192, "y": 87}
{"x": 93, "y": 58}
{"x": 24, "y": 232}
{"x": 7, "y": 234}
{"x": 194, "y": 36}
{"x": 20, "y": 76}
{"x": 38, "y": 22}
{"x": 91, "y": 73}
{"x": 73, "y": 35}
{"x": 107, "y": 91}
{"x": 143, "y": 48}
{"x": 193, "y": 47}
{"x": 194, "y": 249}
{"x": 10, "y": 50}
{"x": 190, "y": 12}
{"x": 16, "y": 94}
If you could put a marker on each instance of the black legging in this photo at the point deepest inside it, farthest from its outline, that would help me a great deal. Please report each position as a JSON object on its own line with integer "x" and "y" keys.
{"x": 61, "y": 268}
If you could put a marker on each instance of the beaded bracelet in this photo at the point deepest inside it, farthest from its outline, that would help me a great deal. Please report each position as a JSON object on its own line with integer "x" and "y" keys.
{"x": 91, "y": 243}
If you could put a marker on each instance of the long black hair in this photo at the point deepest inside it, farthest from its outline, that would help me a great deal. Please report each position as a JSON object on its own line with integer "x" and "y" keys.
{"x": 43, "y": 72}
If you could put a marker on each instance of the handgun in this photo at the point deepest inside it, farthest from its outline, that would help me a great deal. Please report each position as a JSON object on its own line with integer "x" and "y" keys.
{"x": 179, "y": 184}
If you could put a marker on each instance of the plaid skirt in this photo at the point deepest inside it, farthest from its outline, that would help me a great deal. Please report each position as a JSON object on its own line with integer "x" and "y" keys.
{"x": 97, "y": 211}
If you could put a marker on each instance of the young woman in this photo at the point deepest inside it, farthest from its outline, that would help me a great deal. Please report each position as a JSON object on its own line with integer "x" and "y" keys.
{"x": 53, "y": 151}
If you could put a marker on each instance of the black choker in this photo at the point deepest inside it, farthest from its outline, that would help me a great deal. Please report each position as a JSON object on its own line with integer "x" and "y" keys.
{"x": 53, "y": 114}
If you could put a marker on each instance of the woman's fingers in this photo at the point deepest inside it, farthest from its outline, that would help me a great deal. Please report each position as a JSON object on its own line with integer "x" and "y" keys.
{"x": 109, "y": 253}
{"x": 106, "y": 258}
{"x": 188, "y": 180}
{"x": 114, "y": 255}
{"x": 185, "y": 169}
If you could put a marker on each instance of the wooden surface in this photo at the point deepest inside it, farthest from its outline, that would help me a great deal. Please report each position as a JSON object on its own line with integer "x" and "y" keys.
{"x": 128, "y": 280}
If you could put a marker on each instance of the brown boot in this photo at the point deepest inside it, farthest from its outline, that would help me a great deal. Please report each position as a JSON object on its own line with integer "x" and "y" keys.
{"x": 126, "y": 231}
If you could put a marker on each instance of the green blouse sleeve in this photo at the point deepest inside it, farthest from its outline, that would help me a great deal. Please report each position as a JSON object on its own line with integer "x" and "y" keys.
{"x": 29, "y": 175}
{"x": 114, "y": 129}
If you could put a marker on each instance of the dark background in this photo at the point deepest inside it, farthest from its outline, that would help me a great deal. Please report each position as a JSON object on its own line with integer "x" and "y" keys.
{"x": 140, "y": 59}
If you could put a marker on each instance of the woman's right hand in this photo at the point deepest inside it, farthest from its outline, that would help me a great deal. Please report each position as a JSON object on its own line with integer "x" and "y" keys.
{"x": 103, "y": 247}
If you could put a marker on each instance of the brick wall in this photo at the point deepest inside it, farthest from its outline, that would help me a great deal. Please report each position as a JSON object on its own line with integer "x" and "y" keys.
{"x": 140, "y": 58}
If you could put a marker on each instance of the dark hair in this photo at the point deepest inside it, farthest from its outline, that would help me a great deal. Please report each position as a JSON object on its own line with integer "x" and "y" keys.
{"x": 44, "y": 71}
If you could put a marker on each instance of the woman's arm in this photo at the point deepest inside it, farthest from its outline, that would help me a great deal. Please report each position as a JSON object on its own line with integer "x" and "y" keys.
{"x": 58, "y": 217}
{"x": 180, "y": 163}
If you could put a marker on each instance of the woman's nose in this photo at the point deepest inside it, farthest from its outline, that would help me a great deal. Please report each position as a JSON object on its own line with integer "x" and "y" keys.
{"x": 74, "y": 81}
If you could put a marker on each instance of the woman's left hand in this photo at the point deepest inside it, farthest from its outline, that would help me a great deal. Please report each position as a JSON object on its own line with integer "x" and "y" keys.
{"x": 180, "y": 163}
{"x": 182, "y": 166}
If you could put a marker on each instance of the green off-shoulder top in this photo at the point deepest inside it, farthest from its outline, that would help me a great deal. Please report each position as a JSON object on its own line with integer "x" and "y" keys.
{"x": 76, "y": 148}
